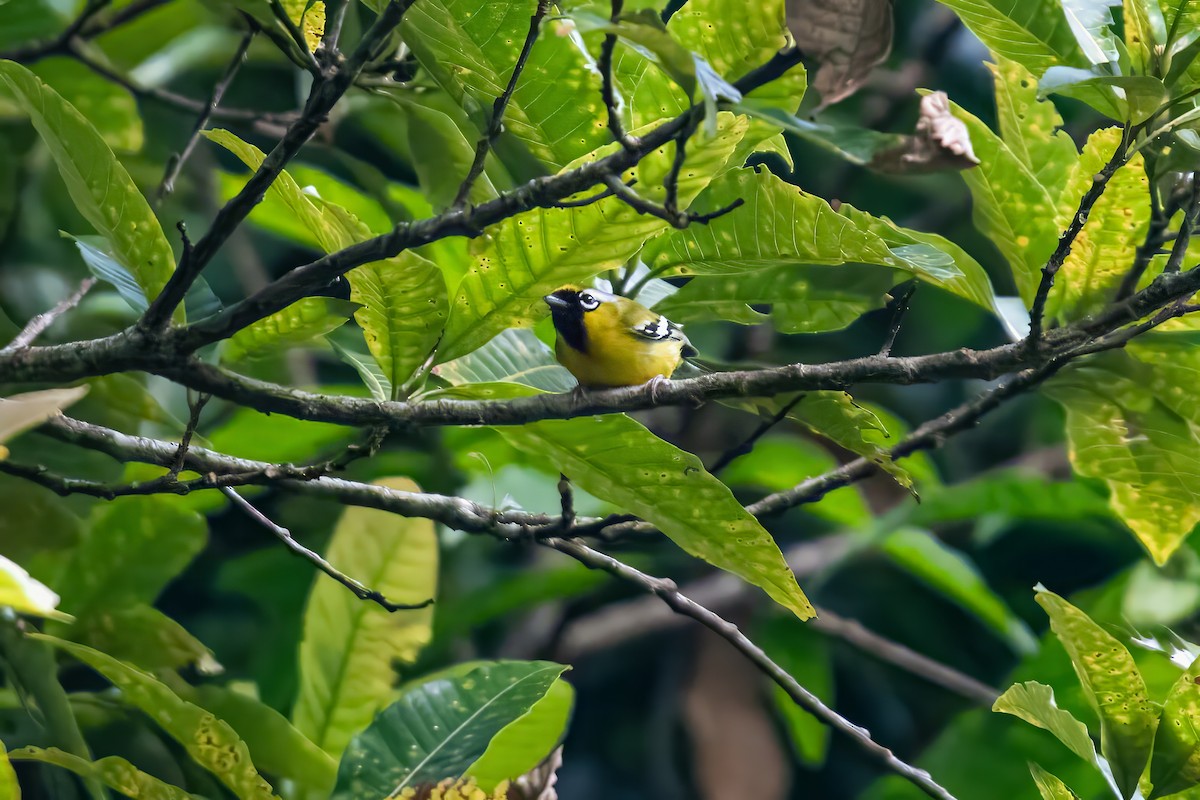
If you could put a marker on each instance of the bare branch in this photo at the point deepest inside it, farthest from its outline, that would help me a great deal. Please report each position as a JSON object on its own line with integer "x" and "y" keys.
{"x": 747, "y": 446}
{"x": 87, "y": 25}
{"x": 608, "y": 90}
{"x": 899, "y": 310}
{"x": 36, "y": 326}
{"x": 681, "y": 604}
{"x": 496, "y": 123}
{"x": 1186, "y": 228}
{"x": 285, "y": 536}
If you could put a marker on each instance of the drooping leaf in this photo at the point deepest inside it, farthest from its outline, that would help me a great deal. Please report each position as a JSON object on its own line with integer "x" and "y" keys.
{"x": 1035, "y": 34}
{"x": 439, "y": 728}
{"x": 470, "y": 49}
{"x": 515, "y": 356}
{"x": 1175, "y": 765}
{"x": 144, "y": 637}
{"x": 298, "y": 324}
{"x": 135, "y": 546}
{"x": 523, "y": 743}
{"x": 522, "y": 259}
{"x": 102, "y": 190}
{"x": 1121, "y": 432}
{"x": 26, "y": 595}
{"x": 1107, "y": 245}
{"x": 350, "y": 645}
{"x": 1034, "y": 703}
{"x": 1114, "y": 688}
{"x": 1049, "y": 786}
{"x": 208, "y": 740}
{"x": 952, "y": 574}
{"x": 848, "y": 40}
{"x": 618, "y": 460}
{"x": 114, "y": 772}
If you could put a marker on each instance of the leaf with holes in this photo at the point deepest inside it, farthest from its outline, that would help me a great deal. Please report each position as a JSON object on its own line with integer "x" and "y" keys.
{"x": 350, "y": 645}
{"x": 211, "y": 742}
{"x": 439, "y": 728}
{"x": 1175, "y": 765}
{"x": 113, "y": 771}
{"x": 518, "y": 261}
{"x": 1030, "y": 126}
{"x": 1113, "y": 686}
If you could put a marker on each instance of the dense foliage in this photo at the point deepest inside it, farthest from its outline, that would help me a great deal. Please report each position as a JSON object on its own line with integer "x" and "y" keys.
{"x": 275, "y": 269}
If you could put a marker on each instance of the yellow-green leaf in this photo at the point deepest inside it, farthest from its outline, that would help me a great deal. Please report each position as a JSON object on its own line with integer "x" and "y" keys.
{"x": 1034, "y": 703}
{"x": 26, "y": 595}
{"x": 350, "y": 645}
{"x": 298, "y": 324}
{"x": 523, "y": 743}
{"x": 1175, "y": 765}
{"x": 1050, "y": 787}
{"x": 114, "y": 772}
{"x": 9, "y": 788}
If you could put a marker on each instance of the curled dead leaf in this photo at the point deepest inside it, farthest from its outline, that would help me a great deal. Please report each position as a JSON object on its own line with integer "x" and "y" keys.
{"x": 940, "y": 142}
{"x": 848, "y": 38}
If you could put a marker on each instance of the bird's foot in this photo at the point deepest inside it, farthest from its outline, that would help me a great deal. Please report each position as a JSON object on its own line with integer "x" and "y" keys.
{"x": 656, "y": 383}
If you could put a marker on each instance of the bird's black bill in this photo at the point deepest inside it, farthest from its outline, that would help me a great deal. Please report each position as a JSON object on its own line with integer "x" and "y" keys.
{"x": 554, "y": 301}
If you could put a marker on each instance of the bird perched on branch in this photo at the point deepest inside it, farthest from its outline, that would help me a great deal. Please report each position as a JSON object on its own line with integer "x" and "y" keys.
{"x": 605, "y": 340}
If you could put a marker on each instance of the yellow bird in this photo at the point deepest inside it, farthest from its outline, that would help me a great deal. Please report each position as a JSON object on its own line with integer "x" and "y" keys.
{"x": 605, "y": 340}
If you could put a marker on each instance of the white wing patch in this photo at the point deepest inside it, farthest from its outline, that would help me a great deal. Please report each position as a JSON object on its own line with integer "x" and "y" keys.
{"x": 655, "y": 329}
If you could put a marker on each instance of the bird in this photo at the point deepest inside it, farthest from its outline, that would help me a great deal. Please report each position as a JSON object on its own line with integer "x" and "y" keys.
{"x": 605, "y": 340}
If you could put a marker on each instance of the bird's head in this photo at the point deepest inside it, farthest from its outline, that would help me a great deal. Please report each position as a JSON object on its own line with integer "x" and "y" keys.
{"x": 568, "y": 304}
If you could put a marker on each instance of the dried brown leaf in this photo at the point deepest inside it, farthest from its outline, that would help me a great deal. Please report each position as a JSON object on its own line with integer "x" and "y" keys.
{"x": 941, "y": 142}
{"x": 847, "y": 37}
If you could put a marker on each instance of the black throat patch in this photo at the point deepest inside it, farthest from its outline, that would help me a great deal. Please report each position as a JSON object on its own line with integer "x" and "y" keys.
{"x": 568, "y": 319}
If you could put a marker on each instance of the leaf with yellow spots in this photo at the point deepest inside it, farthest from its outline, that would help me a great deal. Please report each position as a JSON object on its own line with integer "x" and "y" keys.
{"x": 113, "y": 771}
{"x": 1050, "y": 786}
{"x": 1175, "y": 765}
{"x": 1113, "y": 686}
{"x": 212, "y": 743}
{"x": 309, "y": 17}
{"x": 1029, "y": 126}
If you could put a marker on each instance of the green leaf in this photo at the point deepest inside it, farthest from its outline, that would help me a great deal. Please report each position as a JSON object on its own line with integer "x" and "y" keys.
{"x": 208, "y": 740}
{"x": 9, "y": 788}
{"x": 114, "y": 772}
{"x": 1013, "y": 495}
{"x": 1145, "y": 30}
{"x": 522, "y": 259}
{"x": 109, "y": 107}
{"x": 298, "y": 324}
{"x": 1031, "y": 127}
{"x": 439, "y": 728}
{"x": 1035, "y": 34}
{"x": 1010, "y": 206}
{"x": 349, "y": 645}
{"x": 367, "y": 368}
{"x": 950, "y": 572}
{"x": 1108, "y": 243}
{"x": 1122, "y": 432}
{"x": 1113, "y": 687}
{"x": 144, "y": 637}
{"x": 523, "y": 743}
{"x": 618, "y": 460}
{"x": 403, "y": 311}
{"x": 1034, "y": 703}
{"x": 1175, "y": 765}
{"x": 470, "y": 49}
{"x": 25, "y": 595}
{"x": 1143, "y": 94}
{"x": 100, "y": 187}
{"x": 247, "y": 433}
{"x": 1049, "y": 786}
{"x": 515, "y": 356}
{"x": 279, "y": 749}
{"x": 134, "y": 548}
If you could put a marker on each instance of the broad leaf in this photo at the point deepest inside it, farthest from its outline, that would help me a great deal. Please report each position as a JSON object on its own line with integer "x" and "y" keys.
{"x": 350, "y": 645}
{"x": 526, "y": 741}
{"x": 108, "y": 106}
{"x": 298, "y": 324}
{"x": 25, "y": 595}
{"x": 367, "y": 368}
{"x": 1175, "y": 765}
{"x": 515, "y": 356}
{"x": 470, "y": 50}
{"x": 1049, "y": 786}
{"x": 618, "y": 460}
{"x": 98, "y": 184}
{"x": 114, "y": 772}
{"x": 1141, "y": 95}
{"x": 208, "y": 740}
{"x": 518, "y": 261}
{"x": 1121, "y": 430}
{"x": 1113, "y": 687}
{"x": 951, "y": 573}
{"x": 134, "y": 548}
{"x": 1035, "y": 34}
{"x": 1145, "y": 29}
{"x": 1034, "y": 703}
{"x": 439, "y": 728}
{"x": 1107, "y": 245}
{"x": 144, "y": 637}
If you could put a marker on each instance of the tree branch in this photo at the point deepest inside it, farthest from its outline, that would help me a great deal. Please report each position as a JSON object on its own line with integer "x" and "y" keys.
{"x": 36, "y": 326}
{"x": 681, "y": 604}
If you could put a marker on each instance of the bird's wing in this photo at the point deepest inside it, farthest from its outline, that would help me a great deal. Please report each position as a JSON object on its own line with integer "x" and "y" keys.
{"x": 658, "y": 328}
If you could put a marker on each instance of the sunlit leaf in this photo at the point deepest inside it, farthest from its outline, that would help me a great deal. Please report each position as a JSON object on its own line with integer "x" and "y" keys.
{"x": 518, "y": 261}
{"x": 208, "y": 740}
{"x": 1049, "y": 786}
{"x": 439, "y": 728}
{"x": 108, "y": 106}
{"x": 298, "y": 324}
{"x": 1145, "y": 29}
{"x": 1114, "y": 688}
{"x": 1175, "y": 765}
{"x": 102, "y": 190}
{"x": 1034, "y": 703}
{"x": 350, "y": 645}
{"x": 114, "y": 772}
{"x": 516, "y": 356}
{"x": 1035, "y": 34}
{"x": 25, "y": 595}
{"x": 9, "y": 788}
{"x": 1031, "y": 127}
{"x": 523, "y": 743}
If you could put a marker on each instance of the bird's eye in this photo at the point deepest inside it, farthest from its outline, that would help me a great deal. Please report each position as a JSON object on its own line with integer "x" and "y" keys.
{"x": 588, "y": 301}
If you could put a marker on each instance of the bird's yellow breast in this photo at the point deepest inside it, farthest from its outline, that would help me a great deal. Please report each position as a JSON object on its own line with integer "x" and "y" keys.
{"x": 615, "y": 356}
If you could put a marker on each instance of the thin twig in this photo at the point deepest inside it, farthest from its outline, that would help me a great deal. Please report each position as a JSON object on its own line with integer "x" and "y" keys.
{"x": 496, "y": 123}
{"x": 86, "y": 26}
{"x": 285, "y": 536}
{"x": 175, "y": 162}
{"x": 195, "y": 408}
{"x": 681, "y": 604}
{"x": 335, "y": 18}
{"x": 899, "y": 310}
{"x": 747, "y": 446}
{"x": 567, "y": 502}
{"x": 1186, "y": 228}
{"x": 608, "y": 90}
{"x": 36, "y": 326}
